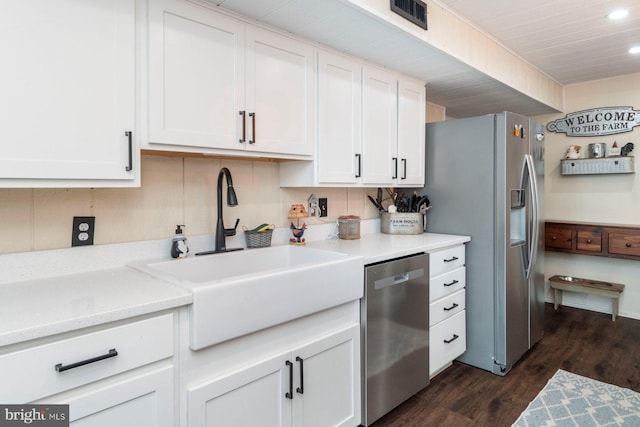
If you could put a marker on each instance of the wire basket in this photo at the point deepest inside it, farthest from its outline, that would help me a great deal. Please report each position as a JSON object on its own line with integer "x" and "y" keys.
{"x": 258, "y": 239}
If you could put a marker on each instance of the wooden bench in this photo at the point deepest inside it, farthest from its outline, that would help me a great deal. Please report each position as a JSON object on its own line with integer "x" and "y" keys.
{"x": 586, "y": 286}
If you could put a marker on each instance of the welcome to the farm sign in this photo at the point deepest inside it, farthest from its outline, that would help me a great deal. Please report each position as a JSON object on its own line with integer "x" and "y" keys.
{"x": 597, "y": 122}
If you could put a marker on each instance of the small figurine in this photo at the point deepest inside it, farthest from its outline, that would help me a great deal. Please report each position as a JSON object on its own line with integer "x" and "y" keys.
{"x": 614, "y": 150}
{"x": 626, "y": 149}
{"x": 297, "y": 233}
{"x": 573, "y": 152}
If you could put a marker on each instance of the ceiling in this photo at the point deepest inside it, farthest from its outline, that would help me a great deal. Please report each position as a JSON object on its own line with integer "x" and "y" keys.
{"x": 586, "y": 47}
{"x": 570, "y": 40}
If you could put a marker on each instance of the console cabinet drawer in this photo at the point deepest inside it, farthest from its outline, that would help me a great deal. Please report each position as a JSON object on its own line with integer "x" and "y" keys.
{"x": 49, "y": 369}
{"x": 624, "y": 244}
{"x": 559, "y": 238}
{"x": 589, "y": 241}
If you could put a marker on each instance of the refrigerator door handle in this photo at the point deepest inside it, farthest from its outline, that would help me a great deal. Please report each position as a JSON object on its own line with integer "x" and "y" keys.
{"x": 533, "y": 183}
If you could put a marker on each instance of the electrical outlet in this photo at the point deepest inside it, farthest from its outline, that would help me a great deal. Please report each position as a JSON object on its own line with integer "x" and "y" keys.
{"x": 322, "y": 204}
{"x": 83, "y": 230}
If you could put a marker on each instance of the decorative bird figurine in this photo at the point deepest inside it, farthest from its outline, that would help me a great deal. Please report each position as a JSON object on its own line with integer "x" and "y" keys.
{"x": 626, "y": 149}
{"x": 297, "y": 233}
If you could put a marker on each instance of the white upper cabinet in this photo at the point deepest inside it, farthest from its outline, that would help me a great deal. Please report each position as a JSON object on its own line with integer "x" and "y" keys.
{"x": 411, "y": 132}
{"x": 218, "y": 84}
{"x": 379, "y": 127}
{"x": 67, "y": 108}
{"x": 371, "y": 128}
{"x": 196, "y": 76}
{"x": 339, "y": 119}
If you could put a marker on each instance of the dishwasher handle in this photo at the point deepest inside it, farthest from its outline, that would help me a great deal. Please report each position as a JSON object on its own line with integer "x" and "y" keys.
{"x": 398, "y": 279}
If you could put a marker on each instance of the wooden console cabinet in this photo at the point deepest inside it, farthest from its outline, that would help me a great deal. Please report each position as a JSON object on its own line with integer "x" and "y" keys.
{"x": 609, "y": 240}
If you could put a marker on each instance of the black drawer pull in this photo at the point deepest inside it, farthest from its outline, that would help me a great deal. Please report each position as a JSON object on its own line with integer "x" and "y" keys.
{"x": 628, "y": 245}
{"x": 289, "y": 394}
{"x": 455, "y": 337}
{"x": 61, "y": 368}
{"x": 301, "y": 388}
{"x": 452, "y": 283}
{"x": 451, "y": 308}
{"x": 244, "y": 126}
{"x": 455, "y": 258}
{"x": 129, "y": 136}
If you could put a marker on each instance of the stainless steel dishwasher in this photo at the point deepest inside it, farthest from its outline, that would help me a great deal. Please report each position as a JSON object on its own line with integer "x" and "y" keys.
{"x": 394, "y": 316}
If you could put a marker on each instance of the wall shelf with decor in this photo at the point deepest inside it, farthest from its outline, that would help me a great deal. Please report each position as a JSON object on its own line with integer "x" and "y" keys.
{"x": 597, "y": 166}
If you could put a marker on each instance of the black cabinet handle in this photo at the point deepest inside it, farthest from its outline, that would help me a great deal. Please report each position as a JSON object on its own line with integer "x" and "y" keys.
{"x": 451, "y": 284}
{"x": 289, "y": 394}
{"x": 628, "y": 244}
{"x": 455, "y": 258}
{"x": 451, "y": 308}
{"x": 395, "y": 174}
{"x": 359, "y": 156}
{"x": 455, "y": 337}
{"x": 404, "y": 171}
{"x": 301, "y": 388}
{"x": 244, "y": 126}
{"x": 253, "y": 128}
{"x": 61, "y": 368}
{"x": 129, "y": 136}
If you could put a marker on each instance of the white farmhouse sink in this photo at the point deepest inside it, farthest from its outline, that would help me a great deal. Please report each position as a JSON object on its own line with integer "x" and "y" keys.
{"x": 236, "y": 293}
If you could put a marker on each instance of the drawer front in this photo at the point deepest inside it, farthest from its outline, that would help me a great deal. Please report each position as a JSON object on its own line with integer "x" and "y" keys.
{"x": 449, "y": 259}
{"x": 589, "y": 241}
{"x": 447, "y": 283}
{"x": 447, "y": 340}
{"x": 31, "y": 373}
{"x": 624, "y": 244}
{"x": 558, "y": 238}
{"x": 446, "y": 307}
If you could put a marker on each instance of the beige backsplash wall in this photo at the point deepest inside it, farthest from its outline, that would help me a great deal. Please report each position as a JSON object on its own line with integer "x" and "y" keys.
{"x": 174, "y": 190}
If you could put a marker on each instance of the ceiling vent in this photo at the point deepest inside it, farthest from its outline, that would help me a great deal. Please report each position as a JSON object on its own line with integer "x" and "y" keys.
{"x": 412, "y": 10}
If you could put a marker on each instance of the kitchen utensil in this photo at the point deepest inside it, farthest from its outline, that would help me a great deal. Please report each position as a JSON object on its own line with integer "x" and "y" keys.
{"x": 375, "y": 203}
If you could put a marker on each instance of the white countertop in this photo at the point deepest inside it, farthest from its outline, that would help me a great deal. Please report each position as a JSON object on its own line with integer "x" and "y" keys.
{"x": 38, "y": 308}
{"x": 378, "y": 247}
{"x": 48, "y": 293}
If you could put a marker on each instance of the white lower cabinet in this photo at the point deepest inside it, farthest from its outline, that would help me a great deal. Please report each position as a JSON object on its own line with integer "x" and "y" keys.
{"x": 447, "y": 314}
{"x": 143, "y": 400}
{"x": 316, "y": 384}
{"x": 117, "y": 375}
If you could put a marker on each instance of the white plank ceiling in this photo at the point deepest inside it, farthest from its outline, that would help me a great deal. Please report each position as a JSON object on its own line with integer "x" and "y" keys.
{"x": 570, "y": 40}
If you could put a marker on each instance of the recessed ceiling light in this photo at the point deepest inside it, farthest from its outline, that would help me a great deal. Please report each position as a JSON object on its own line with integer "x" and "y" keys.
{"x": 618, "y": 14}
{"x": 635, "y": 50}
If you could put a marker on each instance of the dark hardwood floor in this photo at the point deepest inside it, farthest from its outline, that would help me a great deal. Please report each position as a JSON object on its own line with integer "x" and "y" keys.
{"x": 579, "y": 341}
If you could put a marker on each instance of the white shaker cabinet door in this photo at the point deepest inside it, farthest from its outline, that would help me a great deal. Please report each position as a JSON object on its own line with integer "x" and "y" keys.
{"x": 67, "y": 85}
{"x": 252, "y": 396}
{"x": 327, "y": 381}
{"x": 411, "y": 132}
{"x": 339, "y": 119}
{"x": 196, "y": 76}
{"x": 380, "y": 162}
{"x": 279, "y": 93}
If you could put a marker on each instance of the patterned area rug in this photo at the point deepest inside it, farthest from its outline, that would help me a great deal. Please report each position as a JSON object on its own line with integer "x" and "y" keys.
{"x": 572, "y": 400}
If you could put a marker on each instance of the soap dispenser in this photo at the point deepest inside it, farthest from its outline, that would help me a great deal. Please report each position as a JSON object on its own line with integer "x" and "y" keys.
{"x": 179, "y": 246}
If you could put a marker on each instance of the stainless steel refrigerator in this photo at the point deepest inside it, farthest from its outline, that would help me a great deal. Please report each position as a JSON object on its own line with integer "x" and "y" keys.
{"x": 484, "y": 178}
